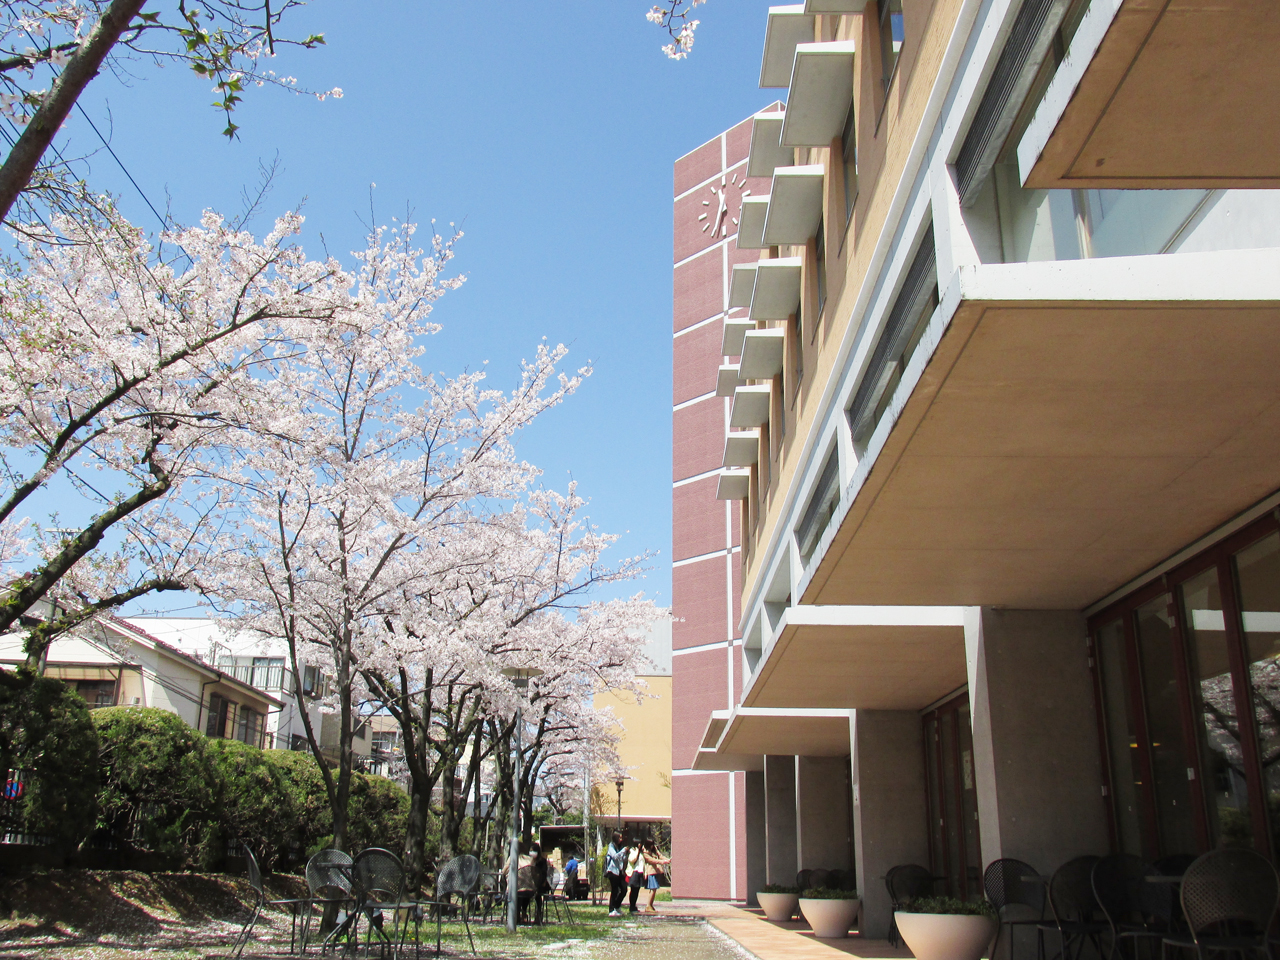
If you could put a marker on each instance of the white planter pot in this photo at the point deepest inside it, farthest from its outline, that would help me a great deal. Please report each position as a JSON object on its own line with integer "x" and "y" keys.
{"x": 779, "y": 906}
{"x": 941, "y": 936}
{"x": 830, "y": 919}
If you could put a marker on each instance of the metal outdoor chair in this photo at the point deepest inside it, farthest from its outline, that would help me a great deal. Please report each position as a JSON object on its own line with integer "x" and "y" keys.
{"x": 1135, "y": 908}
{"x": 460, "y": 876}
{"x": 260, "y": 902}
{"x": 559, "y": 894}
{"x": 842, "y": 880}
{"x": 379, "y": 882}
{"x": 329, "y": 880}
{"x": 1229, "y": 899}
{"x": 1017, "y": 891}
{"x": 905, "y": 883}
{"x": 803, "y": 879}
{"x": 489, "y": 893}
{"x": 1075, "y": 910}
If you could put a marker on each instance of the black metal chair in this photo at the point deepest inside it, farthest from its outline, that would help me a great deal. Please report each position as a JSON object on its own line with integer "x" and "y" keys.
{"x": 1017, "y": 891}
{"x": 819, "y": 877}
{"x": 1135, "y": 908}
{"x": 379, "y": 883}
{"x": 330, "y": 882}
{"x": 905, "y": 883}
{"x": 842, "y": 880}
{"x": 803, "y": 879}
{"x": 255, "y": 880}
{"x": 560, "y": 894}
{"x": 1229, "y": 899}
{"x": 1074, "y": 909}
{"x": 461, "y": 877}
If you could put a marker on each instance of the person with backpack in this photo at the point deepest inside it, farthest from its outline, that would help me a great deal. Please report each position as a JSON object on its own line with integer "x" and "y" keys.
{"x": 615, "y": 868}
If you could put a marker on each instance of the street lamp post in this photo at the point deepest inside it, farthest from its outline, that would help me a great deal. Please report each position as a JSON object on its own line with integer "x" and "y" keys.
{"x": 618, "y": 783}
{"x": 520, "y": 676}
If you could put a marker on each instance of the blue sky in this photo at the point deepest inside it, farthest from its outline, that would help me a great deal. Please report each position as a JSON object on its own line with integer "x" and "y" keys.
{"x": 546, "y": 131}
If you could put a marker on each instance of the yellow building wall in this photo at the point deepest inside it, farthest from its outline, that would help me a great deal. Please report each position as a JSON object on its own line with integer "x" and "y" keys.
{"x": 644, "y": 753}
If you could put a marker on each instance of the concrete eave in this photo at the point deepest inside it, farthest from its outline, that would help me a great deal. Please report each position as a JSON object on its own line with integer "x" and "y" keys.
{"x": 787, "y": 26}
{"x": 750, "y": 406}
{"x": 751, "y": 226}
{"x": 710, "y": 760}
{"x": 727, "y": 380}
{"x": 834, "y": 6}
{"x": 742, "y": 281}
{"x": 863, "y": 657}
{"x": 741, "y": 448}
{"x": 1063, "y": 427}
{"x": 762, "y": 352}
{"x": 715, "y": 727}
{"x": 733, "y": 485}
{"x": 767, "y": 151}
{"x": 735, "y": 328}
{"x": 777, "y": 289}
{"x": 795, "y": 205}
{"x": 795, "y": 732}
{"x": 821, "y": 93}
{"x": 1158, "y": 95}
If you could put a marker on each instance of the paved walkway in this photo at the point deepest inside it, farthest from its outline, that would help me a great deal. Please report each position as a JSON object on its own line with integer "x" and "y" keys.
{"x": 766, "y": 940}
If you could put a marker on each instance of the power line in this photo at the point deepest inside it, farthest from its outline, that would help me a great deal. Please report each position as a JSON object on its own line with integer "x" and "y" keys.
{"x": 164, "y": 222}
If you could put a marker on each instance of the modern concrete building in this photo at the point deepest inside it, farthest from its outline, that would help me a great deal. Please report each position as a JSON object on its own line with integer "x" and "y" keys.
{"x": 1003, "y": 442}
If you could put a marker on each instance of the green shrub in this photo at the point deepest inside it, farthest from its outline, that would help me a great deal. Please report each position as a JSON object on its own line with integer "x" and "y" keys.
{"x": 778, "y": 888}
{"x": 950, "y": 905}
{"x": 379, "y": 813}
{"x": 254, "y": 802}
{"x": 826, "y": 893}
{"x": 158, "y": 782}
{"x": 45, "y": 732}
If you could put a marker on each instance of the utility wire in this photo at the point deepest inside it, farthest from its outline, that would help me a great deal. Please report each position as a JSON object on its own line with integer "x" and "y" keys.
{"x": 164, "y": 221}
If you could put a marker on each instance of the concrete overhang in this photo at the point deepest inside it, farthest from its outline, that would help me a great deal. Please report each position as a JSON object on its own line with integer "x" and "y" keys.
{"x": 742, "y": 282}
{"x": 711, "y": 760}
{"x": 762, "y": 354}
{"x": 716, "y": 723}
{"x": 733, "y": 485}
{"x": 795, "y": 205}
{"x": 735, "y": 328}
{"x": 821, "y": 93}
{"x": 750, "y": 406}
{"x": 787, "y": 27}
{"x": 1062, "y": 428}
{"x": 796, "y": 732}
{"x": 1161, "y": 95}
{"x": 834, "y": 6}
{"x": 777, "y": 289}
{"x": 751, "y": 223}
{"x": 869, "y": 658}
{"x": 767, "y": 151}
{"x": 741, "y": 448}
{"x": 727, "y": 380}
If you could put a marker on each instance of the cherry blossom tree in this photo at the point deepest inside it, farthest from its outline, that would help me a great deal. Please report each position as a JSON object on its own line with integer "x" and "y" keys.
{"x": 674, "y": 17}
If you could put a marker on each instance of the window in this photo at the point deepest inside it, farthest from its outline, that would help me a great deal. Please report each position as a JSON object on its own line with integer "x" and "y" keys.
{"x": 311, "y": 681}
{"x": 797, "y": 354}
{"x": 849, "y": 149}
{"x": 216, "y": 725}
{"x": 249, "y": 726}
{"x": 955, "y": 849}
{"x": 820, "y": 268}
{"x": 268, "y": 673}
{"x": 890, "y": 38}
{"x": 97, "y": 693}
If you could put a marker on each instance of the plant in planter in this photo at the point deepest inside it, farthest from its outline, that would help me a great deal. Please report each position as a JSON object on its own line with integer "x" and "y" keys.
{"x": 830, "y": 912}
{"x": 778, "y": 901}
{"x": 944, "y": 928}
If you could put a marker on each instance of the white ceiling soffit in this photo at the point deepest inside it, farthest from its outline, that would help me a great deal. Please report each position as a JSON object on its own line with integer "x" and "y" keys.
{"x": 751, "y": 223}
{"x": 834, "y": 6}
{"x": 795, "y": 205}
{"x": 762, "y": 354}
{"x": 741, "y": 449}
{"x": 821, "y": 92}
{"x": 733, "y": 485}
{"x": 788, "y": 26}
{"x": 777, "y": 290}
{"x": 735, "y": 328}
{"x": 727, "y": 380}
{"x": 741, "y": 282}
{"x": 767, "y": 150}
{"x": 715, "y": 726}
{"x": 750, "y": 406}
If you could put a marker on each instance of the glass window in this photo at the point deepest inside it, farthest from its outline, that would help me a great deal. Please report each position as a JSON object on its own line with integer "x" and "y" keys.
{"x": 969, "y": 807}
{"x": 890, "y": 37}
{"x": 216, "y": 724}
{"x": 849, "y": 147}
{"x": 947, "y": 743}
{"x": 1122, "y": 739}
{"x": 1169, "y": 763}
{"x": 1258, "y": 574}
{"x": 820, "y": 256}
{"x": 1221, "y": 757}
{"x": 937, "y": 849}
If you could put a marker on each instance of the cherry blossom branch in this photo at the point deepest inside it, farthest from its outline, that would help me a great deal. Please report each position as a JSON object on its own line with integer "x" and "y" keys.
{"x": 673, "y": 16}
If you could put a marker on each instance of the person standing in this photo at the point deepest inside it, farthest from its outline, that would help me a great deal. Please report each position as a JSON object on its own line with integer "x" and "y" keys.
{"x": 615, "y": 868}
{"x": 635, "y": 871}
{"x": 653, "y": 872}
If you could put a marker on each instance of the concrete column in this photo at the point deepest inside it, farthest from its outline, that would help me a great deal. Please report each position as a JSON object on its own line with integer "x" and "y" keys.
{"x": 780, "y": 819}
{"x": 1035, "y": 738}
{"x": 757, "y": 868}
{"x": 889, "y": 806}
{"x": 824, "y": 820}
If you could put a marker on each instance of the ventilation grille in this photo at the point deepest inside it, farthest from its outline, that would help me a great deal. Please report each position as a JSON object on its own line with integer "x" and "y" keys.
{"x": 1023, "y": 53}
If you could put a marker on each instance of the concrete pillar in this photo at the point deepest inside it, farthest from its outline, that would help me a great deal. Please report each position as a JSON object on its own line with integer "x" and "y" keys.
{"x": 780, "y": 819}
{"x": 1035, "y": 737}
{"x": 757, "y": 868}
{"x": 824, "y": 820}
{"x": 889, "y": 806}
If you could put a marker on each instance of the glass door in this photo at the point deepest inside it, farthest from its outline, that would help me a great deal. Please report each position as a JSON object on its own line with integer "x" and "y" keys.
{"x": 955, "y": 848}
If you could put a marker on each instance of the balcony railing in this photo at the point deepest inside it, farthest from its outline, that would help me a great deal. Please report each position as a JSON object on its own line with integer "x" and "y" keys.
{"x": 262, "y": 677}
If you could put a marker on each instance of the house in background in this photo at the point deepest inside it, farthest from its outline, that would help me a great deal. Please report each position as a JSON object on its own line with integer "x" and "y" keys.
{"x": 112, "y": 662}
